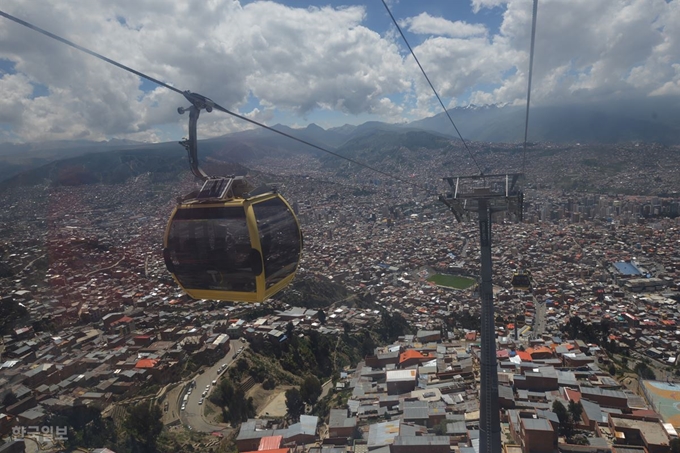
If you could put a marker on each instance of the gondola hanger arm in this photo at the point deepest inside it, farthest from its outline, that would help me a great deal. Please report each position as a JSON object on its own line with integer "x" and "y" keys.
{"x": 198, "y": 103}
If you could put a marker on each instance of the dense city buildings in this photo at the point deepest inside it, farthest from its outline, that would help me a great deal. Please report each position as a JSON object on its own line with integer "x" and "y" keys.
{"x": 100, "y": 320}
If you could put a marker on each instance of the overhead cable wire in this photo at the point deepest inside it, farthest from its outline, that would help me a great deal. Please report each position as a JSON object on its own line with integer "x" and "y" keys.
{"x": 531, "y": 70}
{"x": 472, "y": 156}
{"x": 215, "y": 105}
{"x": 87, "y": 51}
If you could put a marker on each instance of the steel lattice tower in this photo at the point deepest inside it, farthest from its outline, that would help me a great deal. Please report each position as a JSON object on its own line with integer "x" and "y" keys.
{"x": 493, "y": 193}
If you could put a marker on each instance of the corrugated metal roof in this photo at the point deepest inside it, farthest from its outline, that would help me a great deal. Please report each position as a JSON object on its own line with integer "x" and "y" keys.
{"x": 380, "y": 434}
{"x": 401, "y": 375}
{"x": 339, "y": 419}
{"x": 421, "y": 440}
{"x": 309, "y": 423}
{"x": 537, "y": 424}
{"x": 416, "y": 413}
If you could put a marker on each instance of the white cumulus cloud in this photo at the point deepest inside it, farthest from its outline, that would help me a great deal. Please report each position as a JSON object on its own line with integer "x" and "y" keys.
{"x": 430, "y": 25}
{"x": 266, "y": 59}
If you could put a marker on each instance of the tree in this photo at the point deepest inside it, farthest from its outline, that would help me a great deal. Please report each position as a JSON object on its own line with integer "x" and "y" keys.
{"x": 575, "y": 410}
{"x": 242, "y": 364}
{"x": 561, "y": 411}
{"x": 645, "y": 371}
{"x": 143, "y": 423}
{"x": 675, "y": 445}
{"x": 9, "y": 399}
{"x": 85, "y": 427}
{"x": 310, "y": 390}
{"x": 367, "y": 345}
{"x": 566, "y": 424}
{"x": 294, "y": 404}
{"x": 322, "y": 317}
{"x": 440, "y": 428}
{"x": 573, "y": 325}
{"x": 580, "y": 439}
{"x": 612, "y": 369}
{"x": 392, "y": 326}
{"x": 223, "y": 393}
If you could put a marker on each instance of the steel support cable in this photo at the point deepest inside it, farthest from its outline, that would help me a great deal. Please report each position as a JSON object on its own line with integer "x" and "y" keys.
{"x": 87, "y": 51}
{"x": 214, "y": 105}
{"x": 472, "y": 156}
{"x": 531, "y": 70}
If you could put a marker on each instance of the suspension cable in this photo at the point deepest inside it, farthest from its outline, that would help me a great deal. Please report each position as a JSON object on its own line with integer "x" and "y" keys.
{"x": 88, "y": 51}
{"x": 188, "y": 94}
{"x": 472, "y": 156}
{"x": 531, "y": 70}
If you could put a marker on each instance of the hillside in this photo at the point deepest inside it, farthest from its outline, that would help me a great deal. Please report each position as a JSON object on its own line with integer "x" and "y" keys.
{"x": 622, "y": 121}
{"x": 111, "y": 167}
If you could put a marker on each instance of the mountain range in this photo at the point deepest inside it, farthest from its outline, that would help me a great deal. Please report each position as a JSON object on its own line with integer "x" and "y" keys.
{"x": 649, "y": 120}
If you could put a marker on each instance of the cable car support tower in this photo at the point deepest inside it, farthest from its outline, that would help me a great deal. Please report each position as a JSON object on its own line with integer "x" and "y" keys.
{"x": 486, "y": 195}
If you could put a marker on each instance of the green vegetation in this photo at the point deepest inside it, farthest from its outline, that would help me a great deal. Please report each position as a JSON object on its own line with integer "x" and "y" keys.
{"x": 675, "y": 445}
{"x": 452, "y": 281}
{"x": 644, "y": 371}
{"x": 140, "y": 429}
{"x": 313, "y": 291}
{"x": 294, "y": 404}
{"x": 568, "y": 419}
{"x": 9, "y": 399}
{"x": 392, "y": 327}
{"x": 144, "y": 425}
{"x": 10, "y": 314}
{"x": 575, "y": 410}
{"x": 566, "y": 423}
{"x": 310, "y": 390}
{"x": 314, "y": 356}
{"x": 590, "y": 333}
{"x": 464, "y": 320}
{"x": 235, "y": 407}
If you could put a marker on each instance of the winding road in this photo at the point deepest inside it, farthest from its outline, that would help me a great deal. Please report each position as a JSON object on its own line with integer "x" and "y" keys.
{"x": 193, "y": 416}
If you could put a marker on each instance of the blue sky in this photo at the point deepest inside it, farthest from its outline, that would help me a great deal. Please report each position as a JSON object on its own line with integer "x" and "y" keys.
{"x": 298, "y": 62}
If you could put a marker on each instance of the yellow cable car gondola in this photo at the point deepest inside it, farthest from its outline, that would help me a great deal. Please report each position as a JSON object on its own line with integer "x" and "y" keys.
{"x": 521, "y": 280}
{"x": 226, "y": 243}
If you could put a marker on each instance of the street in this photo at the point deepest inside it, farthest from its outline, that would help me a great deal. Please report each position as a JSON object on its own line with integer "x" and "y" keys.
{"x": 539, "y": 319}
{"x": 193, "y": 414}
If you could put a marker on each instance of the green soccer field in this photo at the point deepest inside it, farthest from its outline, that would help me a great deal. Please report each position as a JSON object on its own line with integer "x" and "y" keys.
{"x": 452, "y": 281}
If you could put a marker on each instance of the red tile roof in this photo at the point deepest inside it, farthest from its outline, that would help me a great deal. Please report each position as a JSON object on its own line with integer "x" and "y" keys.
{"x": 411, "y": 354}
{"x": 539, "y": 350}
{"x": 572, "y": 395}
{"x": 525, "y": 356}
{"x": 270, "y": 443}
{"x": 146, "y": 363}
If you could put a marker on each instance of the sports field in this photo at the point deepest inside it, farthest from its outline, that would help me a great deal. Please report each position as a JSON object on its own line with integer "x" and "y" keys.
{"x": 666, "y": 399}
{"x": 452, "y": 281}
